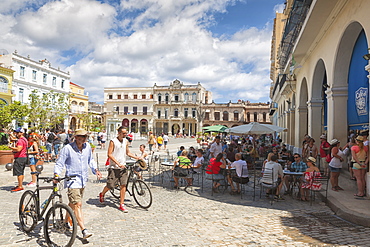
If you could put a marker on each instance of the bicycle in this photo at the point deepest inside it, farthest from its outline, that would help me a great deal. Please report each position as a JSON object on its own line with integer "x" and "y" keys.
{"x": 60, "y": 224}
{"x": 139, "y": 190}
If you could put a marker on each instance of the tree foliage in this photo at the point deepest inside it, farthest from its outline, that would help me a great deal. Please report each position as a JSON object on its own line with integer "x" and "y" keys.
{"x": 14, "y": 111}
{"x": 89, "y": 122}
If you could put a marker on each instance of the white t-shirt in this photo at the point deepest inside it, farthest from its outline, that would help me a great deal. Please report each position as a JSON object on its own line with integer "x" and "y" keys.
{"x": 119, "y": 152}
{"x": 216, "y": 149}
{"x": 267, "y": 178}
{"x": 165, "y": 138}
{"x": 103, "y": 136}
{"x": 198, "y": 160}
{"x": 240, "y": 166}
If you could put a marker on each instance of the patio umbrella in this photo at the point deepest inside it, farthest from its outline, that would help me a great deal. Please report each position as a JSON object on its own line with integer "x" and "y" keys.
{"x": 254, "y": 128}
{"x": 216, "y": 128}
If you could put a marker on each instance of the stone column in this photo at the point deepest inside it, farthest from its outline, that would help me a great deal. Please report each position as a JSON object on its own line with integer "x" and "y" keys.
{"x": 300, "y": 128}
{"x": 337, "y": 113}
{"x": 291, "y": 129}
{"x": 314, "y": 118}
{"x": 287, "y": 125}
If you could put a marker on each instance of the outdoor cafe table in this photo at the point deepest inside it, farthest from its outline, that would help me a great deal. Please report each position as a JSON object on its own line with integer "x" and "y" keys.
{"x": 167, "y": 169}
{"x": 295, "y": 181}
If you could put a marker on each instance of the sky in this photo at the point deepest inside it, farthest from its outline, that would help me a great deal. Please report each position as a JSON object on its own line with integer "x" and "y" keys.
{"x": 223, "y": 44}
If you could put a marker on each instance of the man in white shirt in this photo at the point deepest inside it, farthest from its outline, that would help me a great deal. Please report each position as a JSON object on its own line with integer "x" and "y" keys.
{"x": 241, "y": 175}
{"x": 166, "y": 139}
{"x": 216, "y": 147}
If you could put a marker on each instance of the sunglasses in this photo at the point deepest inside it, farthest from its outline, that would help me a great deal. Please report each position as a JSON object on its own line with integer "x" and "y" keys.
{"x": 296, "y": 157}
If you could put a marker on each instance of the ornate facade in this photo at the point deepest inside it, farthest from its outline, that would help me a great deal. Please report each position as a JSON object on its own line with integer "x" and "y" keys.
{"x": 78, "y": 105}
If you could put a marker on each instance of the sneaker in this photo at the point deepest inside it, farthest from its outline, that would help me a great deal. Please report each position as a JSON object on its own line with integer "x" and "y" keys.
{"x": 101, "y": 198}
{"x": 17, "y": 189}
{"x": 31, "y": 184}
{"x": 123, "y": 208}
{"x": 279, "y": 198}
{"x": 86, "y": 234}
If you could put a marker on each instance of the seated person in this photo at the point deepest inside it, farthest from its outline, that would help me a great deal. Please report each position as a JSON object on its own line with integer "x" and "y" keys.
{"x": 277, "y": 175}
{"x": 307, "y": 183}
{"x": 213, "y": 171}
{"x": 182, "y": 162}
{"x": 230, "y": 154}
{"x": 197, "y": 165}
{"x": 182, "y": 148}
{"x": 192, "y": 154}
{"x": 297, "y": 166}
{"x": 241, "y": 175}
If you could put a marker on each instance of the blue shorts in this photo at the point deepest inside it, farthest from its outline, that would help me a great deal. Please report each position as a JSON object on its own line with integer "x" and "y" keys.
{"x": 333, "y": 169}
{"x": 33, "y": 161}
{"x": 48, "y": 147}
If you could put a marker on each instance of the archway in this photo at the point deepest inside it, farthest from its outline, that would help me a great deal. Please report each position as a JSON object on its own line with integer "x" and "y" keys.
{"x": 134, "y": 125}
{"x": 125, "y": 123}
{"x": 143, "y": 126}
{"x": 72, "y": 124}
{"x": 175, "y": 129}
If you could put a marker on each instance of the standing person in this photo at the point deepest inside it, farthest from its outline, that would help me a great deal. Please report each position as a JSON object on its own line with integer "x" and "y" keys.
{"x": 3, "y": 137}
{"x": 103, "y": 139}
{"x": 33, "y": 155}
{"x": 130, "y": 138}
{"x": 166, "y": 139}
{"x": 360, "y": 161}
{"x": 151, "y": 141}
{"x": 77, "y": 158}
{"x": 311, "y": 149}
{"x": 50, "y": 136}
{"x": 117, "y": 151}
{"x": 159, "y": 141}
{"x": 20, "y": 158}
{"x": 216, "y": 147}
{"x": 63, "y": 137}
{"x": 58, "y": 142}
{"x": 324, "y": 150}
{"x": 336, "y": 163}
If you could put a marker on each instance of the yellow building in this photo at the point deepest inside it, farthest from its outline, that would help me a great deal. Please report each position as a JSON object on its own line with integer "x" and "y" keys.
{"x": 79, "y": 102}
{"x": 6, "y": 80}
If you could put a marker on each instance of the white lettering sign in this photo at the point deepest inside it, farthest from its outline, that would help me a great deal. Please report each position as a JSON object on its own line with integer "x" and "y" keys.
{"x": 361, "y": 101}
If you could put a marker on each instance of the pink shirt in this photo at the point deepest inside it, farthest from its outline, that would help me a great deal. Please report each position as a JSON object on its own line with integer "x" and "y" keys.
{"x": 23, "y": 153}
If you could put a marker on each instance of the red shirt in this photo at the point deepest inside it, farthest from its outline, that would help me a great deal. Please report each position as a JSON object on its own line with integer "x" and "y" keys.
{"x": 324, "y": 144}
{"x": 213, "y": 167}
{"x": 23, "y": 153}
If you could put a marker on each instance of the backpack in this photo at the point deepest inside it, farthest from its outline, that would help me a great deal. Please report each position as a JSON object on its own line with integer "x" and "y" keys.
{"x": 4, "y": 139}
{"x": 51, "y": 137}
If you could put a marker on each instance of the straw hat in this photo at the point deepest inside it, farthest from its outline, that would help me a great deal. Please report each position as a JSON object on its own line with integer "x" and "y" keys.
{"x": 312, "y": 159}
{"x": 323, "y": 137}
{"x": 333, "y": 142}
{"x": 81, "y": 132}
{"x": 360, "y": 138}
{"x": 143, "y": 165}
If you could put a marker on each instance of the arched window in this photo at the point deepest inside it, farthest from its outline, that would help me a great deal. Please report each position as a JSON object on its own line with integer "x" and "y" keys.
{"x": 167, "y": 98}
{"x": 186, "y": 97}
{"x": 236, "y": 116}
{"x": 255, "y": 117}
{"x": 194, "y": 98}
{"x": 176, "y": 112}
{"x": 3, "y": 85}
{"x": 225, "y": 116}
{"x": 159, "y": 98}
{"x": 248, "y": 117}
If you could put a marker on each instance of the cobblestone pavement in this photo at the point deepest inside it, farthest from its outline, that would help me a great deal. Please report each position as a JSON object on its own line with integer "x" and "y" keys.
{"x": 192, "y": 218}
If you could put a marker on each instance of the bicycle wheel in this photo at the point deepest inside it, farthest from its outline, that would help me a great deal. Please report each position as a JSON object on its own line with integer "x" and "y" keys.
{"x": 116, "y": 190}
{"x": 142, "y": 194}
{"x": 27, "y": 211}
{"x": 60, "y": 226}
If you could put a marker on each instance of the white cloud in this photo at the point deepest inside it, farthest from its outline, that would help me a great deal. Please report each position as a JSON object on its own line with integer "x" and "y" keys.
{"x": 168, "y": 39}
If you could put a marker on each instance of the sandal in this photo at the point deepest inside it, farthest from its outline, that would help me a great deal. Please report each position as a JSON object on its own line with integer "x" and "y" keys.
{"x": 334, "y": 189}
{"x": 358, "y": 195}
{"x": 353, "y": 178}
{"x": 338, "y": 188}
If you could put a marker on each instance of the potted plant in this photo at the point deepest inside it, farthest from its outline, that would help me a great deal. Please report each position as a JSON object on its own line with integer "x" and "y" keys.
{"x": 6, "y": 155}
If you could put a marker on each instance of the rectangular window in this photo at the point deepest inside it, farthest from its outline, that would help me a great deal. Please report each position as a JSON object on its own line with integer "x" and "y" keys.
{"x": 134, "y": 109}
{"x": 125, "y": 110}
{"x": 194, "y": 112}
{"x": 21, "y": 72}
{"x": 143, "y": 96}
{"x": 54, "y": 81}
{"x": 44, "y": 78}
{"x": 206, "y": 116}
{"x": 126, "y": 96}
{"x": 62, "y": 84}
{"x": 118, "y": 96}
{"x": 186, "y": 112}
{"x": 145, "y": 110}
{"x": 110, "y": 96}
{"x": 159, "y": 113}
{"x": 236, "y": 116}
{"x": 217, "y": 116}
{"x": 135, "y": 96}
{"x": 21, "y": 91}
{"x": 34, "y": 75}
{"x": 151, "y": 96}
{"x": 176, "y": 98}
{"x": 166, "y": 113}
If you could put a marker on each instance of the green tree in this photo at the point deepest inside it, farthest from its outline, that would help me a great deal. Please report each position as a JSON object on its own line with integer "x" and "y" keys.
{"x": 89, "y": 122}
{"x": 14, "y": 111}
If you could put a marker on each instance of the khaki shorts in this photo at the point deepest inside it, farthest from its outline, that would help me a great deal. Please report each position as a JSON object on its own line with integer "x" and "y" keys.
{"x": 115, "y": 175}
{"x": 324, "y": 163}
{"x": 75, "y": 195}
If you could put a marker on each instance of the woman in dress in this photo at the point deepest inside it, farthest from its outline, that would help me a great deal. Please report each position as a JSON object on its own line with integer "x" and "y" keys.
{"x": 336, "y": 163}
{"x": 360, "y": 161}
{"x": 309, "y": 175}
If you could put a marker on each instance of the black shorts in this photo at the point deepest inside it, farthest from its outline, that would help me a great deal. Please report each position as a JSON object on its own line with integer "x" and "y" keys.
{"x": 19, "y": 165}
{"x": 240, "y": 180}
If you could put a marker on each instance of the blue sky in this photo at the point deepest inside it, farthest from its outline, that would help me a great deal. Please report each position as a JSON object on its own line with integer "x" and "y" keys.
{"x": 134, "y": 43}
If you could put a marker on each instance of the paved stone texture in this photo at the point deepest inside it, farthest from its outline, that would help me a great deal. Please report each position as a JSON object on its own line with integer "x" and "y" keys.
{"x": 190, "y": 218}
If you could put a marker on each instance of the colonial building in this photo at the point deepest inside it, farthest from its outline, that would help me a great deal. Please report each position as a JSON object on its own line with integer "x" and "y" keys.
{"x": 321, "y": 69}
{"x": 178, "y": 108}
{"x": 234, "y": 114}
{"x": 30, "y": 75}
{"x": 97, "y": 112}
{"x": 78, "y": 105}
{"x": 131, "y": 107}
{"x": 6, "y": 79}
